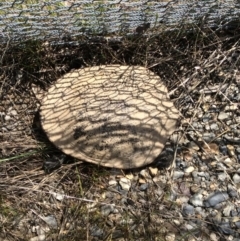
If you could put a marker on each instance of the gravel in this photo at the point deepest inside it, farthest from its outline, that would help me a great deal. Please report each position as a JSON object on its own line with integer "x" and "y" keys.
{"x": 216, "y": 198}
{"x": 188, "y": 210}
{"x": 198, "y": 193}
{"x": 125, "y": 183}
{"x": 204, "y": 180}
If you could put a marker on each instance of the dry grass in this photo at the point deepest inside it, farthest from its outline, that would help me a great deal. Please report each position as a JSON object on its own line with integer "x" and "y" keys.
{"x": 186, "y": 60}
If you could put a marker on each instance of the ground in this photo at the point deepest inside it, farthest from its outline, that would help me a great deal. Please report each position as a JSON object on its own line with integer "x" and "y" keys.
{"x": 45, "y": 195}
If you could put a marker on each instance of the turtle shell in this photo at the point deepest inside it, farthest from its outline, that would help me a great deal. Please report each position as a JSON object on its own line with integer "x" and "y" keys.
{"x": 112, "y": 115}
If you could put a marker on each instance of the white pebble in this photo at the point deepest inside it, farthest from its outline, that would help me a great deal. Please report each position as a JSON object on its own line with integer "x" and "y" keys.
{"x": 228, "y": 161}
{"x": 196, "y": 200}
{"x": 189, "y": 169}
{"x": 13, "y": 112}
{"x": 213, "y": 237}
{"x": 58, "y": 196}
{"x": 7, "y": 118}
{"x": 125, "y": 183}
{"x": 153, "y": 171}
{"x": 176, "y": 222}
{"x": 223, "y": 116}
{"x": 38, "y": 238}
{"x": 231, "y": 150}
{"x": 232, "y": 107}
{"x": 144, "y": 173}
{"x": 214, "y": 127}
{"x": 236, "y": 178}
{"x": 112, "y": 183}
{"x": 170, "y": 237}
{"x": 222, "y": 176}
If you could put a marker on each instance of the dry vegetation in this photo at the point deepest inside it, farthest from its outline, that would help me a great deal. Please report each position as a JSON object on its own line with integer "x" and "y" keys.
{"x": 188, "y": 60}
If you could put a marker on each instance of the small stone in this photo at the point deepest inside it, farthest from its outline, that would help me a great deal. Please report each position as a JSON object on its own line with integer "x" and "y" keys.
{"x": 129, "y": 176}
{"x": 39, "y": 238}
{"x": 183, "y": 188}
{"x": 237, "y": 224}
{"x": 232, "y": 191}
{"x": 142, "y": 201}
{"x": 141, "y": 180}
{"x": 189, "y": 226}
{"x": 232, "y": 139}
{"x": 180, "y": 164}
{"x": 214, "y": 127}
{"x": 238, "y": 150}
{"x": 200, "y": 212}
{"x": 238, "y": 158}
{"x": 216, "y": 198}
{"x": 225, "y": 228}
{"x": 34, "y": 229}
{"x": 189, "y": 169}
{"x": 204, "y": 175}
{"x": 7, "y": 118}
{"x": 215, "y": 216}
{"x": 227, "y": 210}
{"x": 223, "y": 116}
{"x": 231, "y": 107}
{"x": 222, "y": 176}
{"x": 192, "y": 145}
{"x": 196, "y": 200}
{"x": 231, "y": 150}
{"x": 238, "y": 209}
{"x": 143, "y": 187}
{"x": 127, "y": 221}
{"x": 206, "y": 118}
{"x": 220, "y": 166}
{"x": 171, "y": 196}
{"x": 144, "y": 174}
{"x": 96, "y": 232}
{"x": 191, "y": 239}
{"x": 182, "y": 199}
{"x": 170, "y": 237}
{"x": 112, "y": 183}
{"x": 153, "y": 171}
{"x": 51, "y": 221}
{"x": 223, "y": 149}
{"x": 178, "y": 174}
{"x": 176, "y": 222}
{"x": 59, "y": 196}
{"x": 117, "y": 235}
{"x": 196, "y": 177}
{"x": 207, "y": 127}
{"x": 13, "y": 112}
{"x": 213, "y": 237}
{"x": 204, "y": 184}
{"x": 125, "y": 183}
{"x": 236, "y": 178}
{"x": 107, "y": 209}
{"x": 233, "y": 213}
{"x": 213, "y": 186}
{"x": 197, "y": 125}
{"x": 40, "y": 230}
{"x": 208, "y": 136}
{"x": 188, "y": 210}
{"x": 194, "y": 188}
{"x": 228, "y": 162}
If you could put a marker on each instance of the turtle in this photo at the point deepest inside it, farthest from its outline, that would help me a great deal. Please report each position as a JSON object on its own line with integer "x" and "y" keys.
{"x": 116, "y": 116}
